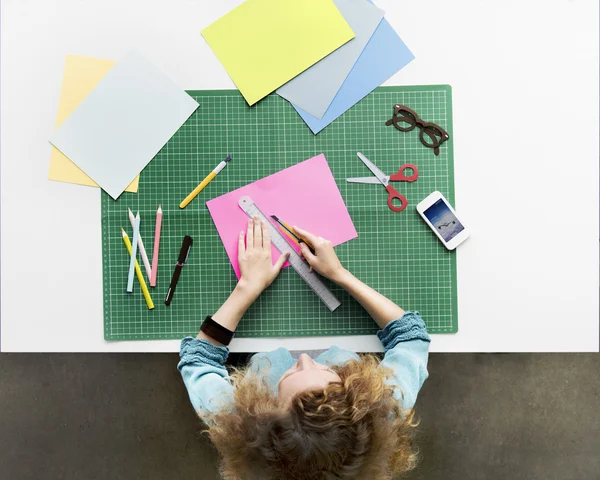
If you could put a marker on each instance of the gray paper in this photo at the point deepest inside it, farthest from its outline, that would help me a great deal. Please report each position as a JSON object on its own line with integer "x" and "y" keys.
{"x": 315, "y": 88}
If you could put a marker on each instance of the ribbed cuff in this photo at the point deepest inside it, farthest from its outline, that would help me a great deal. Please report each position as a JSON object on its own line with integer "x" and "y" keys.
{"x": 409, "y": 327}
{"x": 195, "y": 350}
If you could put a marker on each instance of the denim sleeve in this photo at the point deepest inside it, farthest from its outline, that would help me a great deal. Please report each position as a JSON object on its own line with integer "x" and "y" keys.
{"x": 204, "y": 375}
{"x": 406, "y": 344}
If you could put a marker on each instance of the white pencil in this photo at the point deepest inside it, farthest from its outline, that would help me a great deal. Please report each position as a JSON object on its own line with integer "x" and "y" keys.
{"x": 133, "y": 260}
{"x": 141, "y": 247}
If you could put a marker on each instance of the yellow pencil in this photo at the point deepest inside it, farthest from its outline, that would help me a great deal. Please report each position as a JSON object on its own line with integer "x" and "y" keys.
{"x": 138, "y": 271}
{"x": 205, "y": 182}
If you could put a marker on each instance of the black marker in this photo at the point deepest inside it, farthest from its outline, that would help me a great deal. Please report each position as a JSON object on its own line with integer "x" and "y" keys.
{"x": 183, "y": 256}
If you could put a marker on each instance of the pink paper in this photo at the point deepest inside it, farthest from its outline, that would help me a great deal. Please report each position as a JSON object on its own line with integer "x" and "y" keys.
{"x": 304, "y": 195}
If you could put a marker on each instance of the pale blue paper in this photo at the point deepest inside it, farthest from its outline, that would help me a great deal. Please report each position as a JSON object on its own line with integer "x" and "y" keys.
{"x": 315, "y": 88}
{"x": 383, "y": 56}
{"x": 134, "y": 242}
{"x": 123, "y": 123}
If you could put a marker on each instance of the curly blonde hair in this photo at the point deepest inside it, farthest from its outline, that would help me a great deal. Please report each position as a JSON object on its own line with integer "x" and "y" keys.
{"x": 353, "y": 429}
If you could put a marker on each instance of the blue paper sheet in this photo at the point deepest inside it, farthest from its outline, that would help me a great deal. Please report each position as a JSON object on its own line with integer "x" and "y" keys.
{"x": 315, "y": 88}
{"x": 383, "y": 56}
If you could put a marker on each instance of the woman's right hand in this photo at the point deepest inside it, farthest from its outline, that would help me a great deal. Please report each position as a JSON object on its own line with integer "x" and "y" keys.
{"x": 324, "y": 261}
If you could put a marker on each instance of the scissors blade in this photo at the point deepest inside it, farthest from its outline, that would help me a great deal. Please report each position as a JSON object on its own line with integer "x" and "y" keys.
{"x": 381, "y": 177}
{"x": 371, "y": 180}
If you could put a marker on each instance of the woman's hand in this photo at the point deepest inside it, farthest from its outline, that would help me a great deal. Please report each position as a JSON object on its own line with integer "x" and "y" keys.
{"x": 324, "y": 261}
{"x": 254, "y": 256}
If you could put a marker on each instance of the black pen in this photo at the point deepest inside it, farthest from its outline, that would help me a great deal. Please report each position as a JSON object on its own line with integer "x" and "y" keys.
{"x": 183, "y": 256}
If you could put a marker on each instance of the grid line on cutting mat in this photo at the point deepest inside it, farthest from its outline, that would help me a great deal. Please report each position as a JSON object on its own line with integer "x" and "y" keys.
{"x": 395, "y": 253}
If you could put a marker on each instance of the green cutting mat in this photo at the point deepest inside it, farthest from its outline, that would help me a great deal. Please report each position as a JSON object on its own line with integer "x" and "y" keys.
{"x": 395, "y": 253}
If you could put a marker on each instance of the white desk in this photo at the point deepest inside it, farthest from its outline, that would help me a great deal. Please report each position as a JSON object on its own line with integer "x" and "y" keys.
{"x": 525, "y": 80}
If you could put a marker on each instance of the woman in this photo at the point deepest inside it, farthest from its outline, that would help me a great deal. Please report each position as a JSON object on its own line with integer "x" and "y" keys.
{"x": 338, "y": 416}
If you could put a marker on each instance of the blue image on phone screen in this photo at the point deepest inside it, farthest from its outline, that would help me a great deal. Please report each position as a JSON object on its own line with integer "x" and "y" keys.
{"x": 443, "y": 220}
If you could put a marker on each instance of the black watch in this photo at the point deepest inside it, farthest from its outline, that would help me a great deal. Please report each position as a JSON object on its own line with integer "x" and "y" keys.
{"x": 217, "y": 331}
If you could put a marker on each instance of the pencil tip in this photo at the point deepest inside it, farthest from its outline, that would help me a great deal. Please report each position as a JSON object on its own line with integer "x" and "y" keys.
{"x": 123, "y": 232}
{"x": 274, "y": 217}
{"x": 228, "y": 158}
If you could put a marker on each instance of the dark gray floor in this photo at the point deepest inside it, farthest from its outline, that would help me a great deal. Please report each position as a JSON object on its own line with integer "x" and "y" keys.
{"x": 120, "y": 416}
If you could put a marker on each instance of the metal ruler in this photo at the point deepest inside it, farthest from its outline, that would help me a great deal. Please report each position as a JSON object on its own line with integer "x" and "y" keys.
{"x": 296, "y": 261}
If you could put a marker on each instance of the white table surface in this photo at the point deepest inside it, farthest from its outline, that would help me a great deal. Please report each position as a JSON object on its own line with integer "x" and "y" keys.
{"x": 525, "y": 100}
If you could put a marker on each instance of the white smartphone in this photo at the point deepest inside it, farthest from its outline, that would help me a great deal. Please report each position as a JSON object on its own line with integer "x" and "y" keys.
{"x": 442, "y": 219}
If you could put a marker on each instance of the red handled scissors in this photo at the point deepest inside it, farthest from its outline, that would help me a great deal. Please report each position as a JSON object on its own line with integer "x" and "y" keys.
{"x": 384, "y": 179}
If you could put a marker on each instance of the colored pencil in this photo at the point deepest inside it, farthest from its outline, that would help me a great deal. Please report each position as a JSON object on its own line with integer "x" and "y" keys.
{"x": 156, "y": 244}
{"x": 138, "y": 271}
{"x": 140, "y": 244}
{"x": 136, "y": 234}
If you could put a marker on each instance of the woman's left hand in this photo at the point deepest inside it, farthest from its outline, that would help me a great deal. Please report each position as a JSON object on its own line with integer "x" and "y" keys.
{"x": 254, "y": 257}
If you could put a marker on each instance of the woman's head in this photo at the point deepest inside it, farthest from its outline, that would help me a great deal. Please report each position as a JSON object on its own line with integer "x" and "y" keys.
{"x": 305, "y": 375}
{"x": 341, "y": 423}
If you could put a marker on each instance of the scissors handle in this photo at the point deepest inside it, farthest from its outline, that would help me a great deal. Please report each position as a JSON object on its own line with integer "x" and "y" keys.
{"x": 401, "y": 177}
{"x": 393, "y": 194}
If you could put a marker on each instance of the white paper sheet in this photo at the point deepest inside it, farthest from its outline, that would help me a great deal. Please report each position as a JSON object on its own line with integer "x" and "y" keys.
{"x": 123, "y": 123}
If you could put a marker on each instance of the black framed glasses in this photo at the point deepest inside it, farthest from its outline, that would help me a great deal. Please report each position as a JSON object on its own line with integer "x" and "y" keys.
{"x": 406, "y": 119}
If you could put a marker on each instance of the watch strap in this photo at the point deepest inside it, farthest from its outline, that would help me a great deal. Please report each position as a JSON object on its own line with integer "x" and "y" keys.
{"x": 217, "y": 331}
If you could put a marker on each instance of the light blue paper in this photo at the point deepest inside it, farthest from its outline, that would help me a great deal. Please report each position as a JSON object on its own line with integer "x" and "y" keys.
{"x": 123, "y": 123}
{"x": 315, "y": 88}
{"x": 383, "y": 56}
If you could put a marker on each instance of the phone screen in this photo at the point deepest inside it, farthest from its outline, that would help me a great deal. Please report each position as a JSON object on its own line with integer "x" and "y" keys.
{"x": 443, "y": 220}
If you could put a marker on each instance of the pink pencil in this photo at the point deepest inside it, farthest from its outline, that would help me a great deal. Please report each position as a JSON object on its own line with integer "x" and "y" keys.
{"x": 156, "y": 244}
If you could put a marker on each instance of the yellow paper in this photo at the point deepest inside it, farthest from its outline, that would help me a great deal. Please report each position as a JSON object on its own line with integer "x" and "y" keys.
{"x": 263, "y": 44}
{"x": 80, "y": 77}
